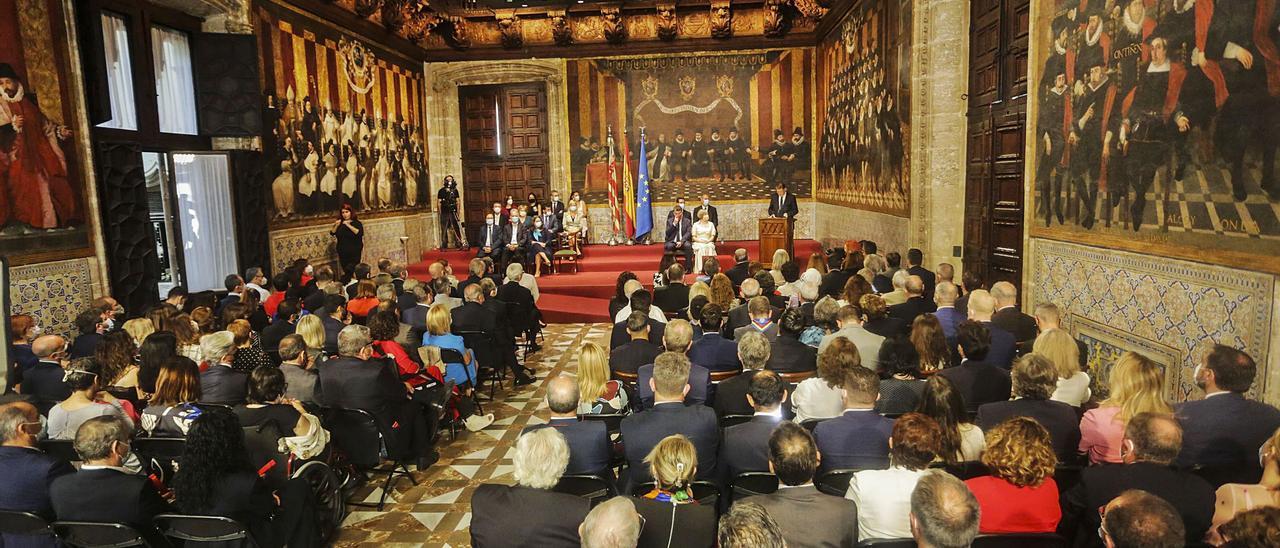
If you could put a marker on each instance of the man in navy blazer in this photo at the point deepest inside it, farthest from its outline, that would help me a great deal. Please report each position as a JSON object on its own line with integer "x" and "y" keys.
{"x": 945, "y": 295}
{"x": 44, "y": 381}
{"x": 858, "y": 438}
{"x": 746, "y": 445}
{"x": 1224, "y": 430}
{"x": 669, "y": 415}
{"x": 1035, "y": 378}
{"x": 641, "y": 350}
{"x": 333, "y": 317}
{"x": 589, "y": 449}
{"x": 977, "y": 381}
{"x": 1003, "y": 344}
{"x": 220, "y": 383}
{"x": 713, "y": 351}
{"x": 915, "y": 305}
{"x": 679, "y": 235}
{"x": 678, "y": 337}
{"x": 28, "y": 470}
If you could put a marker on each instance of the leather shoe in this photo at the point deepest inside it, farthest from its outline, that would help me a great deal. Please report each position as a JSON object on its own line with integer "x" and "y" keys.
{"x": 426, "y": 462}
{"x": 523, "y": 378}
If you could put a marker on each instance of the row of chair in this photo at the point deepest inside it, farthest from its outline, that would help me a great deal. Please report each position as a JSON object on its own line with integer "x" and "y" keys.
{"x": 175, "y": 527}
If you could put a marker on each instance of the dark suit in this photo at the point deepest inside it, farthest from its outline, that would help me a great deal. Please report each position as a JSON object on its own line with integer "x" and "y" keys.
{"x": 644, "y": 430}
{"x": 770, "y": 331}
{"x": 85, "y": 345}
{"x": 911, "y": 309}
{"x": 224, "y": 385}
{"x": 109, "y": 496}
{"x": 332, "y": 328}
{"x": 620, "y": 336}
{"x": 314, "y": 302}
{"x": 589, "y": 448}
{"x": 979, "y": 383}
{"x": 44, "y": 382}
{"x": 628, "y": 358}
{"x": 746, "y": 446}
{"x": 679, "y": 237}
{"x": 715, "y": 352}
{"x": 1003, "y": 346}
{"x": 1225, "y": 431}
{"x": 882, "y": 283}
{"x": 887, "y": 327}
{"x": 855, "y": 439}
{"x": 1192, "y": 496}
{"x": 712, "y": 214}
{"x": 472, "y": 316}
{"x": 490, "y": 236}
{"x": 738, "y": 273}
{"x": 1021, "y": 326}
{"x": 699, "y": 385}
{"x": 352, "y": 383}
{"x": 833, "y": 283}
{"x": 694, "y": 524}
{"x": 274, "y": 333}
{"x": 788, "y": 355}
{"x": 1058, "y": 418}
{"x": 950, "y": 319}
{"x": 738, "y": 316}
{"x": 783, "y": 206}
{"x": 731, "y": 395}
{"x": 521, "y": 310}
{"x": 672, "y": 298}
{"x": 515, "y": 516}
{"x": 807, "y": 517}
{"x": 930, "y": 281}
{"x": 514, "y": 235}
{"x": 28, "y": 475}
{"x": 416, "y": 316}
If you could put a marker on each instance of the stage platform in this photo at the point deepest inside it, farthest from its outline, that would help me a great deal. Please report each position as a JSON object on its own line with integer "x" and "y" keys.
{"x": 584, "y": 297}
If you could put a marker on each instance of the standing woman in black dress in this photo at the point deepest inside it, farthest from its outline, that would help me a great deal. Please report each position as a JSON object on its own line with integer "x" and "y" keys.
{"x": 350, "y": 234}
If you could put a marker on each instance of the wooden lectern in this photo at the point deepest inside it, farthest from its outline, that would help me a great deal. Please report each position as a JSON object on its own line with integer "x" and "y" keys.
{"x": 775, "y": 234}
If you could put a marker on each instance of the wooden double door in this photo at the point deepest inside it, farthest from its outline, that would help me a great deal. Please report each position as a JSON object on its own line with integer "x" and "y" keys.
{"x": 994, "y": 198}
{"x": 504, "y": 147}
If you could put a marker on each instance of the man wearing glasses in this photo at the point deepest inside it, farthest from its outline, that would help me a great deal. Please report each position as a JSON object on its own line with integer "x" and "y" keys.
{"x": 28, "y": 470}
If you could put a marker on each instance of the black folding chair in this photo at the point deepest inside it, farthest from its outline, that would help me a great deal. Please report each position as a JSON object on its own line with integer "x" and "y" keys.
{"x": 84, "y": 534}
{"x": 888, "y": 543}
{"x": 187, "y": 528}
{"x": 160, "y": 455}
{"x": 327, "y": 490}
{"x": 612, "y": 421}
{"x": 17, "y": 523}
{"x": 964, "y": 470}
{"x": 810, "y": 424}
{"x": 750, "y": 484}
{"x": 490, "y": 365}
{"x": 62, "y": 449}
{"x": 733, "y": 420}
{"x": 1020, "y": 540}
{"x": 591, "y": 487}
{"x": 355, "y": 432}
{"x": 834, "y": 482}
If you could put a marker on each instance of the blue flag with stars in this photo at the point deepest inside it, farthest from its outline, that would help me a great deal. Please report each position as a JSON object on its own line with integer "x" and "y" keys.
{"x": 644, "y": 215}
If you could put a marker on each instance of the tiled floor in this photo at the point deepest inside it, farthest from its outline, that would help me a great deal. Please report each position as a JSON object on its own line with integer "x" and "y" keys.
{"x": 436, "y": 512}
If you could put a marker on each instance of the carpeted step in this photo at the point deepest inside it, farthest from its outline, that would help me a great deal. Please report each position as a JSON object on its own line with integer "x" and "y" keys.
{"x": 570, "y": 309}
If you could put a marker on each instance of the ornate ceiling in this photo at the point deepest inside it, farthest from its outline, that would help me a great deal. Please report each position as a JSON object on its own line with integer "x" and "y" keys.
{"x": 457, "y": 28}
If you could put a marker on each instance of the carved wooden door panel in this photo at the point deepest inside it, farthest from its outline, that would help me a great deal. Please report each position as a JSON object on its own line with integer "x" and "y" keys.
{"x": 504, "y": 146}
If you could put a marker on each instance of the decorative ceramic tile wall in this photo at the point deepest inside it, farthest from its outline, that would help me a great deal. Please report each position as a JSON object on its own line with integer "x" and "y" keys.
{"x": 382, "y": 239}
{"x": 52, "y": 292}
{"x": 1174, "y": 304}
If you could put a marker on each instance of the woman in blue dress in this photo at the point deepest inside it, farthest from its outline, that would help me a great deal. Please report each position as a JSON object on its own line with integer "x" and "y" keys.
{"x": 540, "y": 246}
{"x": 439, "y": 341}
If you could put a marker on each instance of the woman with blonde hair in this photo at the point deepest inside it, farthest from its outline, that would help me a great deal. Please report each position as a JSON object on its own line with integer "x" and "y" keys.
{"x": 1236, "y": 498}
{"x": 722, "y": 292}
{"x": 1020, "y": 495}
{"x": 139, "y": 328}
{"x": 1137, "y": 386}
{"x": 204, "y": 320}
{"x": 1060, "y": 347}
{"x": 597, "y": 393}
{"x": 311, "y": 328}
{"x": 670, "y": 505}
{"x": 780, "y": 257}
{"x": 818, "y": 263}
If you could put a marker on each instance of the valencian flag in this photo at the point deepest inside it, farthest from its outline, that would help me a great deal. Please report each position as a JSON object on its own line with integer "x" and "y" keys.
{"x": 628, "y": 191}
{"x": 643, "y": 214}
{"x": 615, "y": 193}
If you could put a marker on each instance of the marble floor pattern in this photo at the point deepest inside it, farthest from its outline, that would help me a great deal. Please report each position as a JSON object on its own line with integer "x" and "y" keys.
{"x": 437, "y": 511}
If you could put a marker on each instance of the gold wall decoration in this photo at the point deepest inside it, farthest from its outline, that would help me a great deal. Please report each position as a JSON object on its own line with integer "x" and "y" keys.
{"x": 667, "y": 28}
{"x": 721, "y": 20}
{"x": 509, "y": 26}
{"x": 561, "y": 32}
{"x": 615, "y": 32}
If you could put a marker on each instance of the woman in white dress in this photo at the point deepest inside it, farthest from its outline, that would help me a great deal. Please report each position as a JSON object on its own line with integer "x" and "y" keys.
{"x": 282, "y": 189}
{"x": 349, "y": 182}
{"x": 704, "y": 240}
{"x": 307, "y": 183}
{"x": 329, "y": 181}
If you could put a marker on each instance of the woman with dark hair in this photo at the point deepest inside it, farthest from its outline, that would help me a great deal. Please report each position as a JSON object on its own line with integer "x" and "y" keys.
{"x": 660, "y": 277}
{"x": 117, "y": 357}
{"x": 930, "y": 343}
{"x": 85, "y": 402}
{"x": 620, "y": 299}
{"x": 172, "y": 407}
{"x": 349, "y": 232}
{"x": 365, "y": 300}
{"x": 961, "y": 439}
{"x": 818, "y": 262}
{"x": 878, "y": 320}
{"x": 158, "y": 347}
{"x": 384, "y": 327}
{"x": 900, "y": 384}
{"x": 216, "y": 478}
{"x": 258, "y": 319}
{"x": 266, "y": 402}
{"x": 541, "y": 242}
{"x": 853, "y": 290}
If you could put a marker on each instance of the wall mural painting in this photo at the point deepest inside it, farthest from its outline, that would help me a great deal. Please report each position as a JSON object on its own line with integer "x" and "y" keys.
{"x": 43, "y": 204}
{"x": 728, "y": 125}
{"x": 864, "y": 113}
{"x": 1154, "y": 127}
{"x": 345, "y": 124}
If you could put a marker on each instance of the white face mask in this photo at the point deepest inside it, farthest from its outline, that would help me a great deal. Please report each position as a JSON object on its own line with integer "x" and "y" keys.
{"x": 706, "y": 202}
{"x": 108, "y": 324}
{"x": 309, "y": 270}
{"x": 488, "y": 221}
{"x": 35, "y": 332}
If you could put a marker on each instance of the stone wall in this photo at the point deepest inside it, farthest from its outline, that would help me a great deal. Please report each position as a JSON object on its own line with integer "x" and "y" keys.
{"x": 382, "y": 239}
{"x": 738, "y": 220}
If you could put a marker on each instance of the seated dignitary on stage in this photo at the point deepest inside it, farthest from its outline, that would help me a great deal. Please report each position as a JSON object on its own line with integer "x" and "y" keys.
{"x": 679, "y": 235}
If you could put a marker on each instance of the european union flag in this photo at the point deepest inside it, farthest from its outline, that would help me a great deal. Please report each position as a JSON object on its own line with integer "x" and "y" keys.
{"x": 644, "y": 215}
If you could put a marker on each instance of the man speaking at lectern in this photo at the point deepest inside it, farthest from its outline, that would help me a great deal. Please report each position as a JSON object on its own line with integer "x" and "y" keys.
{"x": 783, "y": 203}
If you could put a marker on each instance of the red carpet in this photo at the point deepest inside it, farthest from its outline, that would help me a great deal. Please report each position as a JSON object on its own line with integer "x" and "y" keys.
{"x": 584, "y": 297}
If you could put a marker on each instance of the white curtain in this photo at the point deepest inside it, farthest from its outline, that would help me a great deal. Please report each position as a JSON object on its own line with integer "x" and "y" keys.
{"x": 175, "y": 87}
{"x": 206, "y": 217}
{"x": 115, "y": 47}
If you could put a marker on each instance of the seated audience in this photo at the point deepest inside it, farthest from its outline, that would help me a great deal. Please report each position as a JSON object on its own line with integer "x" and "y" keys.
{"x": 1259, "y": 528}
{"x": 748, "y": 525}
{"x": 917, "y": 303}
{"x": 220, "y": 383}
{"x": 1137, "y": 519}
{"x": 1224, "y": 430}
{"x": 900, "y": 379}
{"x": 944, "y": 513}
{"x": 667, "y": 416}
{"x": 760, "y": 313}
{"x": 44, "y": 381}
{"x": 622, "y": 293}
{"x": 807, "y": 517}
{"x": 818, "y": 398}
{"x": 172, "y": 408}
{"x": 1136, "y": 386}
{"x": 298, "y": 366}
{"x": 858, "y": 438}
{"x": 1020, "y": 495}
{"x": 599, "y": 393}
{"x": 334, "y": 317}
{"x": 115, "y": 357}
{"x": 883, "y": 497}
{"x": 160, "y": 346}
{"x": 788, "y": 354}
{"x": 87, "y": 401}
{"x": 978, "y": 381}
{"x": 1060, "y": 349}
{"x": 589, "y": 447}
{"x": 673, "y": 296}
{"x": 672, "y": 516}
{"x": 854, "y": 289}
{"x": 1034, "y": 379}
{"x": 364, "y": 300}
{"x": 439, "y": 334}
{"x": 960, "y": 439}
{"x": 1003, "y": 345}
{"x": 1009, "y": 318}
{"x": 898, "y": 282}
{"x": 247, "y": 357}
{"x": 849, "y": 320}
{"x": 746, "y": 445}
{"x": 384, "y": 328}
{"x": 1152, "y": 442}
{"x": 266, "y": 403}
{"x": 23, "y": 330}
{"x": 712, "y": 350}
{"x": 1049, "y": 316}
{"x": 731, "y": 393}
{"x": 641, "y": 301}
{"x": 678, "y": 337}
{"x": 91, "y": 324}
{"x": 639, "y": 350}
{"x": 613, "y": 523}
{"x": 824, "y": 322}
{"x": 931, "y": 344}
{"x": 877, "y": 318}
{"x": 217, "y": 479}
{"x": 104, "y": 491}
{"x": 945, "y": 295}
{"x": 722, "y": 295}
{"x": 285, "y": 323}
{"x": 29, "y": 472}
{"x": 630, "y": 288}
{"x": 529, "y": 513}
{"x": 1236, "y": 498}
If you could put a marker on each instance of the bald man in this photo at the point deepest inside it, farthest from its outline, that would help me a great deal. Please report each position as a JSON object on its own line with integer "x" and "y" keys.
{"x": 44, "y": 381}
{"x": 917, "y": 302}
{"x": 589, "y": 449}
{"x": 28, "y": 471}
{"x": 1003, "y": 344}
{"x": 1009, "y": 318}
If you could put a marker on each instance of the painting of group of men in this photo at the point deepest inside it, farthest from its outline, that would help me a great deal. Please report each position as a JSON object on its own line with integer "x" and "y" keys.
{"x": 708, "y": 155}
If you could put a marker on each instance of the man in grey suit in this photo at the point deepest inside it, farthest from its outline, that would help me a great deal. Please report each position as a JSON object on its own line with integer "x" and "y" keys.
{"x": 806, "y": 516}
{"x": 761, "y": 314}
{"x": 849, "y": 319}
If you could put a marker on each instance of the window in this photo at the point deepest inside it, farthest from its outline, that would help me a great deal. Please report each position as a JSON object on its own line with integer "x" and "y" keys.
{"x": 175, "y": 87}
{"x": 202, "y": 187}
{"x": 115, "y": 46}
